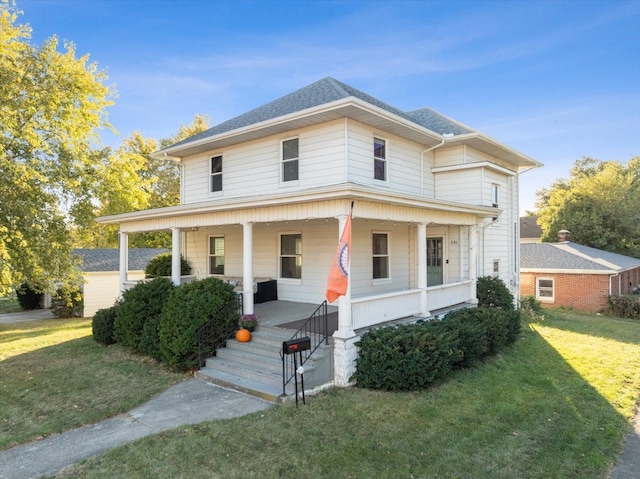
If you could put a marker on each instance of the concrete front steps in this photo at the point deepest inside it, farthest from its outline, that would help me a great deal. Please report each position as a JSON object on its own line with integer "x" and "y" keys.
{"x": 256, "y": 367}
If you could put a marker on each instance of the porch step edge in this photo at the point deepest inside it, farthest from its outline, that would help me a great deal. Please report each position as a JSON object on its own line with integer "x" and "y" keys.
{"x": 264, "y": 391}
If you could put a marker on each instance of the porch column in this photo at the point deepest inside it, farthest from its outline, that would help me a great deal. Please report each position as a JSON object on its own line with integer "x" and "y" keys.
{"x": 176, "y": 276}
{"x": 421, "y": 241}
{"x": 344, "y": 339}
{"x": 473, "y": 259}
{"x": 124, "y": 260}
{"x": 247, "y": 267}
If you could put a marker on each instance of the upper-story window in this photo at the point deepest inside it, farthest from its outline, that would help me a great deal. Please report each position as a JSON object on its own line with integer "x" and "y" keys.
{"x": 379, "y": 159}
{"x": 216, "y": 173}
{"x": 495, "y": 195}
{"x": 291, "y": 255}
{"x": 216, "y": 255}
{"x": 290, "y": 159}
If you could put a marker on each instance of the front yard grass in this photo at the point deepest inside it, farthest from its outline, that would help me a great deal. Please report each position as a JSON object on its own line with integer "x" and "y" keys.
{"x": 54, "y": 377}
{"x": 556, "y": 405}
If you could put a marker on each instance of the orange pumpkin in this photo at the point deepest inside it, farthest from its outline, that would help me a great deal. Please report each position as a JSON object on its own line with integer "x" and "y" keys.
{"x": 243, "y": 335}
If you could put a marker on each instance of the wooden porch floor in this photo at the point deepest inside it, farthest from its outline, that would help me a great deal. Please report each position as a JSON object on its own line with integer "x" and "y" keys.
{"x": 274, "y": 313}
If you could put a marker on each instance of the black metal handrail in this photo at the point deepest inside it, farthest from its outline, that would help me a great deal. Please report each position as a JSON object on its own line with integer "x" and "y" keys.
{"x": 317, "y": 329}
{"x": 206, "y": 334}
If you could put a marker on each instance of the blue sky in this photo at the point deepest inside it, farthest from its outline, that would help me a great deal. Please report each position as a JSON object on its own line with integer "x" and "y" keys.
{"x": 556, "y": 80}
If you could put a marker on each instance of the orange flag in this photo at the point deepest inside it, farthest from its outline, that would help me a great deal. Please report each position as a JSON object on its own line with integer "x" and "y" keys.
{"x": 339, "y": 273}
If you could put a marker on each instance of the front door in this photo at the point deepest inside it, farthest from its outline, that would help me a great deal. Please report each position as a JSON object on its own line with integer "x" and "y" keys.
{"x": 434, "y": 261}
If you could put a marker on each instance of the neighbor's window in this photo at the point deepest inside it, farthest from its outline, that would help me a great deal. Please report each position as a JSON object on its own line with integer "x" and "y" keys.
{"x": 379, "y": 159}
{"x": 290, "y": 160}
{"x": 291, "y": 256}
{"x": 495, "y": 195}
{"x": 380, "y": 255}
{"x": 545, "y": 289}
{"x": 216, "y": 255}
{"x": 216, "y": 173}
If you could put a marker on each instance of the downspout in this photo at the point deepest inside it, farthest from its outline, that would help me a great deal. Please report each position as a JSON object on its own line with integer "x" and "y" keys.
{"x": 445, "y": 137}
{"x": 610, "y": 279}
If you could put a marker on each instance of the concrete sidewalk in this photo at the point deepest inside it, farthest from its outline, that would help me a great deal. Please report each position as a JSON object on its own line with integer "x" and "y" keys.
{"x": 190, "y": 402}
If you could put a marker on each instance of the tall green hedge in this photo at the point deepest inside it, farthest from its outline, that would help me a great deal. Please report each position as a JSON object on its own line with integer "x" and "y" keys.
{"x": 188, "y": 308}
{"x": 161, "y": 266}
{"x": 137, "y": 318}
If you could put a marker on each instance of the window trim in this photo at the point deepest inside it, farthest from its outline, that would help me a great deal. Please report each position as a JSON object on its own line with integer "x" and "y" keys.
{"x": 209, "y": 255}
{"x": 383, "y": 159}
{"x": 287, "y": 279}
{"x": 211, "y": 174}
{"x": 546, "y": 299}
{"x": 495, "y": 195}
{"x": 289, "y": 160}
{"x": 387, "y": 278}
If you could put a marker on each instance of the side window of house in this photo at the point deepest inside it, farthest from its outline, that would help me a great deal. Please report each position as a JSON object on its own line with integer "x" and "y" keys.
{"x": 290, "y": 159}
{"x": 545, "y": 289}
{"x": 496, "y": 268}
{"x": 216, "y": 255}
{"x": 216, "y": 173}
{"x": 291, "y": 255}
{"x": 380, "y": 255}
{"x": 495, "y": 195}
{"x": 379, "y": 159}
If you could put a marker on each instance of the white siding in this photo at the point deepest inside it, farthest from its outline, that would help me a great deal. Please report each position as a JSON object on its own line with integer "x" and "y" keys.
{"x": 464, "y": 186}
{"x": 102, "y": 289}
{"x": 253, "y": 168}
{"x": 403, "y": 160}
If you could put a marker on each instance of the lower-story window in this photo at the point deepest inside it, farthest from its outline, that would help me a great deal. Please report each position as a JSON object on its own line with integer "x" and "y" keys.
{"x": 545, "y": 289}
{"x": 380, "y": 255}
{"x": 216, "y": 255}
{"x": 291, "y": 255}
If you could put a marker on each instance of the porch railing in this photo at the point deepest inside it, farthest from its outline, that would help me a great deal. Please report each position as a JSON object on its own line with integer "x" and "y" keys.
{"x": 372, "y": 310}
{"x": 444, "y": 295}
{"x": 317, "y": 329}
{"x": 217, "y": 327}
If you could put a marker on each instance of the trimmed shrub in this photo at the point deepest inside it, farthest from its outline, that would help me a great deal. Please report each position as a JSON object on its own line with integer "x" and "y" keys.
{"x": 161, "y": 266}
{"x": 68, "y": 302}
{"x": 188, "y": 308}
{"x": 493, "y": 293}
{"x": 103, "y": 325}
{"x": 140, "y": 305}
{"x": 28, "y": 298}
{"x": 404, "y": 358}
{"x": 625, "y": 306}
{"x": 471, "y": 335}
{"x": 415, "y": 356}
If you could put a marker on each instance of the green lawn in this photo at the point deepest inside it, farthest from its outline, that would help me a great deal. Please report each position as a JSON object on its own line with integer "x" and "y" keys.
{"x": 555, "y": 405}
{"x": 54, "y": 377}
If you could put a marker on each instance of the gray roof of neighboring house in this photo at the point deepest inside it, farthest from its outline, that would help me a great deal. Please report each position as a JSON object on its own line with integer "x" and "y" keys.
{"x": 571, "y": 257}
{"x": 108, "y": 259}
{"x": 325, "y": 91}
{"x": 529, "y": 227}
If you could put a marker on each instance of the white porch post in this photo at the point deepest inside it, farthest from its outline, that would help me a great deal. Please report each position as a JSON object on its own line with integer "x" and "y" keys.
{"x": 421, "y": 241}
{"x": 247, "y": 267}
{"x": 176, "y": 276}
{"x": 473, "y": 260}
{"x": 344, "y": 339}
{"x": 124, "y": 260}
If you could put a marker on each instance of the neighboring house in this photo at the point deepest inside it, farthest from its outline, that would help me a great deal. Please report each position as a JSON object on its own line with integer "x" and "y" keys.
{"x": 571, "y": 275}
{"x": 267, "y": 194}
{"x": 530, "y": 232}
{"x": 101, "y": 273}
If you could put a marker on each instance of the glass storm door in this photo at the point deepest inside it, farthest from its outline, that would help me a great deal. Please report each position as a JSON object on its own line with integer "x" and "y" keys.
{"x": 434, "y": 261}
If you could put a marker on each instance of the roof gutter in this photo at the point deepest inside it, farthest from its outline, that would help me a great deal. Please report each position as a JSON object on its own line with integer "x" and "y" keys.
{"x": 445, "y": 136}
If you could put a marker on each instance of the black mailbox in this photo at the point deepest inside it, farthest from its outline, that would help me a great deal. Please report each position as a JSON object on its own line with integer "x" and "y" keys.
{"x": 295, "y": 345}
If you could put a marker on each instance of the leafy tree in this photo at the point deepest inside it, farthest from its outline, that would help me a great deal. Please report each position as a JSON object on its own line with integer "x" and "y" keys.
{"x": 51, "y": 104}
{"x": 599, "y": 204}
{"x": 132, "y": 180}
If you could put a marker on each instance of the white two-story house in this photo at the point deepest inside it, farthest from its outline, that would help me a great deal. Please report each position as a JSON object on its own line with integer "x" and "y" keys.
{"x": 266, "y": 195}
